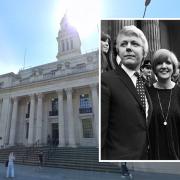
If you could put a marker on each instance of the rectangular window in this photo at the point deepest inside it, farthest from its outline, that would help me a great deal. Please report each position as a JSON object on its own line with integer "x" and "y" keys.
{"x": 54, "y": 105}
{"x": 85, "y": 104}
{"x": 29, "y": 105}
{"x": 27, "y": 130}
{"x": 28, "y": 110}
{"x": 1, "y": 84}
{"x": 87, "y": 128}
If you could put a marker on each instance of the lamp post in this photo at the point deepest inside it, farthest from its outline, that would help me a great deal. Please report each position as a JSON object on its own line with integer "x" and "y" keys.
{"x": 147, "y": 2}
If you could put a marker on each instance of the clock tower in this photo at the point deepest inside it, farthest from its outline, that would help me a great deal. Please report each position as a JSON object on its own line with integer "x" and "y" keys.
{"x": 68, "y": 39}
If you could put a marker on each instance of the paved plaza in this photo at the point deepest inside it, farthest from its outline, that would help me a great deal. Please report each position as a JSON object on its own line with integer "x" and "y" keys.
{"x": 34, "y": 173}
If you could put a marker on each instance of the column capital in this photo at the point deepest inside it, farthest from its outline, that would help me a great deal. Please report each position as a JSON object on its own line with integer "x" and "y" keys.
{"x": 59, "y": 91}
{"x": 93, "y": 86}
{"x": 40, "y": 95}
{"x": 69, "y": 90}
{"x": 15, "y": 98}
{"x": 32, "y": 96}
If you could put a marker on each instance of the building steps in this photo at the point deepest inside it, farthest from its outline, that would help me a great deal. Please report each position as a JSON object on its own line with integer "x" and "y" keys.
{"x": 82, "y": 158}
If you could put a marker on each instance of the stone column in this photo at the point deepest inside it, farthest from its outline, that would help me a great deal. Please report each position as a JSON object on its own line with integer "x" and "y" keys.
{"x": 31, "y": 120}
{"x": 1, "y": 102}
{"x": 127, "y": 22}
{"x": 71, "y": 131}
{"x": 61, "y": 118}
{"x": 39, "y": 118}
{"x": 13, "y": 121}
{"x": 118, "y": 25}
{"x": 1, "y": 122}
{"x": 152, "y": 32}
{"x": 5, "y": 120}
{"x": 95, "y": 111}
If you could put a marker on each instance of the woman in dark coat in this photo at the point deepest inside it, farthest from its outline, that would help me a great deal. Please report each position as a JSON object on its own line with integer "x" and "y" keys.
{"x": 165, "y": 122}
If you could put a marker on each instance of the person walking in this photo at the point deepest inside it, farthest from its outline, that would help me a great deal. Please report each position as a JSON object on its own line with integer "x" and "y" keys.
{"x": 125, "y": 171}
{"x": 10, "y": 168}
{"x": 41, "y": 159}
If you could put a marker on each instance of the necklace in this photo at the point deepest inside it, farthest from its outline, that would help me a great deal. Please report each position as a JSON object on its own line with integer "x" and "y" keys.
{"x": 164, "y": 118}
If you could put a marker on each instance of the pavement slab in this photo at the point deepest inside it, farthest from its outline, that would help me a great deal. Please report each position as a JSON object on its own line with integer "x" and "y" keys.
{"x": 23, "y": 172}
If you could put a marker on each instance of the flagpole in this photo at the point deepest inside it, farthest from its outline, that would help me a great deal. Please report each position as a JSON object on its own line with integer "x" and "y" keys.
{"x": 147, "y": 2}
{"x": 144, "y": 11}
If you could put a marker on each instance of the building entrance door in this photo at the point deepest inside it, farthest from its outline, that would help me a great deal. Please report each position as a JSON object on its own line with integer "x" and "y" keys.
{"x": 55, "y": 134}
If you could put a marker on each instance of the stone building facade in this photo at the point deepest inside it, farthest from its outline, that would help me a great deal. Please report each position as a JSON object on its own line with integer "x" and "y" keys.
{"x": 53, "y": 103}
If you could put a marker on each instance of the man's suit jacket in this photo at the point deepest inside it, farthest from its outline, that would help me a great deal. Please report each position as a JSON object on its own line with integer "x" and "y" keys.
{"x": 124, "y": 127}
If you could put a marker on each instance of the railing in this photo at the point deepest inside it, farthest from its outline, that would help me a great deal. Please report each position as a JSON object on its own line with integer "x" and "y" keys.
{"x": 53, "y": 113}
{"x": 85, "y": 110}
{"x": 49, "y": 75}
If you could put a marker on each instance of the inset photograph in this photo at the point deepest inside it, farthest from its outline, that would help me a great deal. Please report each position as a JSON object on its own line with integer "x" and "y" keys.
{"x": 140, "y": 93}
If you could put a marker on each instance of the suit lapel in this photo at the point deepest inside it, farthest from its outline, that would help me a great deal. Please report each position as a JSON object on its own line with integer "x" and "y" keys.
{"x": 129, "y": 84}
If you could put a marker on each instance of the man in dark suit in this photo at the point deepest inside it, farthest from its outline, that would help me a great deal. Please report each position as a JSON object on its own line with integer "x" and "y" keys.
{"x": 124, "y": 119}
{"x": 147, "y": 75}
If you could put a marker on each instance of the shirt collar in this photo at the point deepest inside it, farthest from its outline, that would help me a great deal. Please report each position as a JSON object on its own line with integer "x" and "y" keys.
{"x": 128, "y": 71}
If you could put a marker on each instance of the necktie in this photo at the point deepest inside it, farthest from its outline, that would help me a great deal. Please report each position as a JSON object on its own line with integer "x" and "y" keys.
{"x": 140, "y": 89}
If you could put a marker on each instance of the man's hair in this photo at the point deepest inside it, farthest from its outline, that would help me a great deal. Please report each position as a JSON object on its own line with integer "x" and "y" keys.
{"x": 162, "y": 55}
{"x": 133, "y": 31}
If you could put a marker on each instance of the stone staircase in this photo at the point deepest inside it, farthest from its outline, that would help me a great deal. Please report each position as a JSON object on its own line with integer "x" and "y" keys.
{"x": 82, "y": 158}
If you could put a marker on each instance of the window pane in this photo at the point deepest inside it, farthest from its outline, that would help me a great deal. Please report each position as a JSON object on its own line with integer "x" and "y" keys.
{"x": 85, "y": 101}
{"x": 87, "y": 128}
{"x": 55, "y": 104}
{"x": 27, "y": 130}
{"x": 85, "y": 104}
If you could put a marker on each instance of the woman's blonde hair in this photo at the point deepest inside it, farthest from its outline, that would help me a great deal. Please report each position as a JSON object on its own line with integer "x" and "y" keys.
{"x": 162, "y": 55}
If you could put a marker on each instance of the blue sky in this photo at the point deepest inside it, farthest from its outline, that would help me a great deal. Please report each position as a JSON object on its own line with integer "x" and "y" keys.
{"x": 135, "y": 9}
{"x": 32, "y": 26}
